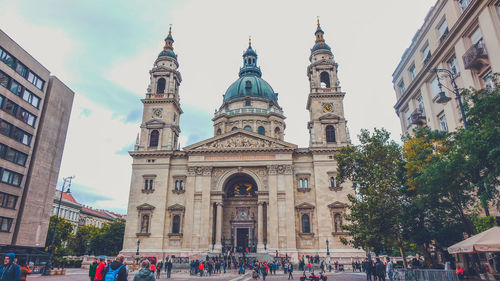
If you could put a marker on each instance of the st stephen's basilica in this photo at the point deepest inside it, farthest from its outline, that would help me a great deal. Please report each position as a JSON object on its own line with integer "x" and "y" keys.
{"x": 245, "y": 187}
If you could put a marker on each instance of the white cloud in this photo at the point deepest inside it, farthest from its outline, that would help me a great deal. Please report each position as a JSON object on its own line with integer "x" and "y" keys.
{"x": 52, "y": 47}
{"x": 95, "y": 134}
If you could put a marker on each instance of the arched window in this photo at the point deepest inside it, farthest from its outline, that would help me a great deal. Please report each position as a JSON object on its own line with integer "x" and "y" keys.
{"x": 337, "y": 221}
{"x": 261, "y": 130}
{"x": 330, "y": 133}
{"x": 234, "y": 129}
{"x": 306, "y": 225}
{"x": 153, "y": 138}
{"x": 248, "y": 103}
{"x": 177, "y": 185}
{"x": 306, "y": 183}
{"x": 248, "y": 128}
{"x": 219, "y": 131}
{"x": 145, "y": 224}
{"x": 182, "y": 185}
{"x": 160, "y": 88}
{"x": 324, "y": 80}
{"x": 277, "y": 132}
{"x": 176, "y": 224}
{"x": 301, "y": 183}
{"x": 332, "y": 181}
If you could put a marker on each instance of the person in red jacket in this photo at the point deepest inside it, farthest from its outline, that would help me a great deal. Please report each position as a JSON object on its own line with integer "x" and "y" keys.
{"x": 201, "y": 267}
{"x": 460, "y": 273}
{"x": 99, "y": 269}
{"x": 152, "y": 267}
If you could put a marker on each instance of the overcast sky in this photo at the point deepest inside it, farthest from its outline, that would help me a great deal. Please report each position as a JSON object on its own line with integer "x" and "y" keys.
{"x": 103, "y": 50}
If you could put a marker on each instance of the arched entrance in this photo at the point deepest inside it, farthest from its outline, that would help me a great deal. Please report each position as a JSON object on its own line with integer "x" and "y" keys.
{"x": 239, "y": 226}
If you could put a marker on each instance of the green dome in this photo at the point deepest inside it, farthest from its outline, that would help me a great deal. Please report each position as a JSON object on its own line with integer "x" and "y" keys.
{"x": 250, "y": 86}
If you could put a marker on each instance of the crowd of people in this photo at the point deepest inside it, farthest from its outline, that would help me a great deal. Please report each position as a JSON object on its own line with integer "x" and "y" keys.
{"x": 148, "y": 271}
{"x": 377, "y": 270}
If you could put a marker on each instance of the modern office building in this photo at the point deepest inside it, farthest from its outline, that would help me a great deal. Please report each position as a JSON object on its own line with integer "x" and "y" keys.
{"x": 462, "y": 36}
{"x": 35, "y": 109}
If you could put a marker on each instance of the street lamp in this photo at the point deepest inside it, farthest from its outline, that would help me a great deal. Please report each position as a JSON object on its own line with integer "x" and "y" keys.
{"x": 327, "y": 248}
{"x": 138, "y": 244}
{"x": 87, "y": 248}
{"x": 442, "y": 95}
{"x": 48, "y": 266}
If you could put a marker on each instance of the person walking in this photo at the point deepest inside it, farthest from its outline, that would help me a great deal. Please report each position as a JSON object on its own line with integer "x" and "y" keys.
{"x": 201, "y": 267}
{"x": 9, "y": 269}
{"x": 309, "y": 266}
{"x": 116, "y": 270}
{"x": 25, "y": 270}
{"x": 158, "y": 270}
{"x": 99, "y": 270}
{"x": 290, "y": 271}
{"x": 367, "y": 268}
{"x": 92, "y": 269}
{"x": 390, "y": 269}
{"x": 380, "y": 270}
{"x": 144, "y": 274}
{"x": 168, "y": 267}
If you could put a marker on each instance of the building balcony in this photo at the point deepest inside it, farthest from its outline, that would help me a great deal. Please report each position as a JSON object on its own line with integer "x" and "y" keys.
{"x": 476, "y": 57}
{"x": 418, "y": 117}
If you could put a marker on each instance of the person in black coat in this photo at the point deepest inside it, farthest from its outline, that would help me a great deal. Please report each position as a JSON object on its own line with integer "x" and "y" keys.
{"x": 380, "y": 270}
{"x": 367, "y": 268}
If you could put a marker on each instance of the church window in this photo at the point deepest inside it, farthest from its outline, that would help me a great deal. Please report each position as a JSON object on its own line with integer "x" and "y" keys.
{"x": 234, "y": 129}
{"x": 332, "y": 181}
{"x": 306, "y": 224}
{"x": 337, "y": 221}
{"x": 219, "y": 131}
{"x": 145, "y": 224}
{"x": 153, "y": 139}
{"x": 306, "y": 183}
{"x": 261, "y": 130}
{"x": 330, "y": 133}
{"x": 248, "y": 103}
{"x": 176, "y": 224}
{"x": 301, "y": 183}
{"x": 177, "y": 185}
{"x": 248, "y": 128}
{"x": 324, "y": 80}
{"x": 160, "y": 88}
{"x": 277, "y": 132}
{"x": 175, "y": 116}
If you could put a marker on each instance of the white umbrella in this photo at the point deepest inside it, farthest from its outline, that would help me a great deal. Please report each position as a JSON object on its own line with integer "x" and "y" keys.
{"x": 486, "y": 241}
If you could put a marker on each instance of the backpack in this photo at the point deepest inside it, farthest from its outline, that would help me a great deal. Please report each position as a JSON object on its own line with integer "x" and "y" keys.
{"x": 112, "y": 274}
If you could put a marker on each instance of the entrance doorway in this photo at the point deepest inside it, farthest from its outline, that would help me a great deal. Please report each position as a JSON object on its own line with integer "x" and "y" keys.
{"x": 242, "y": 238}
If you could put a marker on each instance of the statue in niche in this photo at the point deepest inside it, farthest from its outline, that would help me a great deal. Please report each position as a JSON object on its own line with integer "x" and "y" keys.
{"x": 145, "y": 224}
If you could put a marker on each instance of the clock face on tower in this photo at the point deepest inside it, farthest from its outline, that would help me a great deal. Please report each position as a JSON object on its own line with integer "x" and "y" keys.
{"x": 327, "y": 107}
{"x": 157, "y": 112}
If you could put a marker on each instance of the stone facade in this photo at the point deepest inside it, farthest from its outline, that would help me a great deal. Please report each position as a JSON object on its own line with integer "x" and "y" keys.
{"x": 246, "y": 187}
{"x": 35, "y": 111}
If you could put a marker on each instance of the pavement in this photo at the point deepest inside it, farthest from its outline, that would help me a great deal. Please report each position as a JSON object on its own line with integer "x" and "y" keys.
{"x": 76, "y": 274}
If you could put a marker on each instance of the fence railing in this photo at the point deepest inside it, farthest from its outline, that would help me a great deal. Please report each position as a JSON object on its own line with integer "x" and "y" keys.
{"x": 424, "y": 275}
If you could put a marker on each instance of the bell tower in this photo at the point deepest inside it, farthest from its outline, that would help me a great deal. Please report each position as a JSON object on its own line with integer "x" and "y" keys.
{"x": 160, "y": 120}
{"x": 327, "y": 125}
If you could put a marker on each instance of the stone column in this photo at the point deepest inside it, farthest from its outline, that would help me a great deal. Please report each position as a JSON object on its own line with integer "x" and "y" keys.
{"x": 218, "y": 228}
{"x": 260, "y": 226}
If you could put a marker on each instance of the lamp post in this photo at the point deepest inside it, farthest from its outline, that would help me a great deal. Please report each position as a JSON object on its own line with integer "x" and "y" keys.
{"x": 87, "y": 248}
{"x": 442, "y": 95}
{"x": 327, "y": 249}
{"x": 138, "y": 245}
{"x": 48, "y": 266}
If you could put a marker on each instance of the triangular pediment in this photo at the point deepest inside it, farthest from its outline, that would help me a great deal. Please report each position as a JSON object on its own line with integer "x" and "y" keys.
{"x": 240, "y": 140}
{"x": 154, "y": 122}
{"x": 330, "y": 116}
{"x": 304, "y": 205}
{"x": 145, "y": 206}
{"x": 336, "y": 205}
{"x": 176, "y": 207}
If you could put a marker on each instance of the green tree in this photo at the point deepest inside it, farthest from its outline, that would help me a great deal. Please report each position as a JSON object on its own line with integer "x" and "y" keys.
{"x": 83, "y": 236}
{"x": 375, "y": 169}
{"x": 435, "y": 204}
{"x": 480, "y": 143}
{"x": 63, "y": 234}
{"x": 108, "y": 240}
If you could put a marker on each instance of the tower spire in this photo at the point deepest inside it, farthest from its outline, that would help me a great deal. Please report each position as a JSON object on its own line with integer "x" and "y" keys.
{"x": 319, "y": 33}
{"x": 317, "y": 18}
{"x": 249, "y": 41}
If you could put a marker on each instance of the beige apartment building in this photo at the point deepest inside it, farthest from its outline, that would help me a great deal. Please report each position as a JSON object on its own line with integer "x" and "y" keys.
{"x": 245, "y": 187}
{"x": 462, "y": 36}
{"x": 34, "y": 113}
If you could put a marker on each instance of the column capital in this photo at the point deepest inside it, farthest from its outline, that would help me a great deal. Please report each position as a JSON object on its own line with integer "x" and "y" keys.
{"x": 219, "y": 204}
